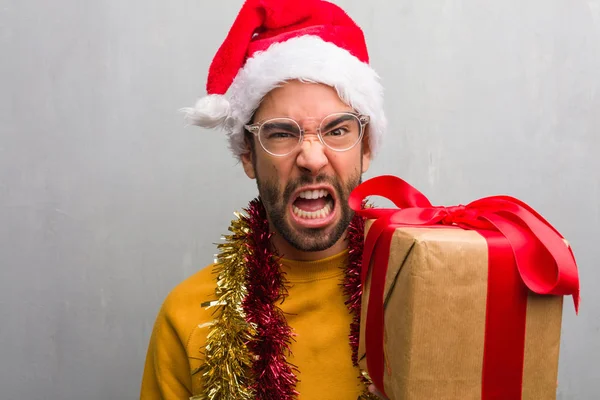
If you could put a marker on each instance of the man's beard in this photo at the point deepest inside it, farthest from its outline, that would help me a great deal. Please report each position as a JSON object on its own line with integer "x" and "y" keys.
{"x": 307, "y": 239}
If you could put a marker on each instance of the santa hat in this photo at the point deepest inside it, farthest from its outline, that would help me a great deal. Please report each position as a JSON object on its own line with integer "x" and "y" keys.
{"x": 273, "y": 41}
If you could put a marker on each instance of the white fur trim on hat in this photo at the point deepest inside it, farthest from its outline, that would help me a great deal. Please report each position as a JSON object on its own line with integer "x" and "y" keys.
{"x": 208, "y": 112}
{"x": 307, "y": 58}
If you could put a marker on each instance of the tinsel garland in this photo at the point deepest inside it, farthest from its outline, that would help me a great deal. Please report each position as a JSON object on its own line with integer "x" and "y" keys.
{"x": 249, "y": 340}
{"x": 228, "y": 361}
{"x": 352, "y": 285}
{"x": 274, "y": 378}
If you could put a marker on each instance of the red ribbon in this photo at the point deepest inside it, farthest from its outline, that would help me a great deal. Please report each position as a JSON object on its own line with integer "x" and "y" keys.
{"x": 525, "y": 253}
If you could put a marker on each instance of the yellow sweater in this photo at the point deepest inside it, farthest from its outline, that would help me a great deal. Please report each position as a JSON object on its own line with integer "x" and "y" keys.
{"x": 315, "y": 310}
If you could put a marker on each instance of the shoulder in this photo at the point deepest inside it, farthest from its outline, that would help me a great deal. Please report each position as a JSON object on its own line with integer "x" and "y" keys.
{"x": 174, "y": 351}
{"x": 182, "y": 308}
{"x": 198, "y": 287}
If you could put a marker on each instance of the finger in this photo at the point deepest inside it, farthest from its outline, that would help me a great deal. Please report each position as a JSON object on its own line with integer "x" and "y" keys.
{"x": 373, "y": 390}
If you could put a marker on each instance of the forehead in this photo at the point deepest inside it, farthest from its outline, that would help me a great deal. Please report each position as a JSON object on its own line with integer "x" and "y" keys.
{"x": 298, "y": 100}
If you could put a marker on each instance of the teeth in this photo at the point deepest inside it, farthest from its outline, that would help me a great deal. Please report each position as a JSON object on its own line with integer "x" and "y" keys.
{"x": 313, "y": 194}
{"x": 322, "y": 213}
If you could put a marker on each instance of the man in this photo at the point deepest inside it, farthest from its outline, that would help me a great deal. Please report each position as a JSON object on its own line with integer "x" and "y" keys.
{"x": 304, "y": 114}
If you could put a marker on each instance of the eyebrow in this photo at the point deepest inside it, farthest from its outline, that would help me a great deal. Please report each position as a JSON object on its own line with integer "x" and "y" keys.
{"x": 281, "y": 125}
{"x": 337, "y": 121}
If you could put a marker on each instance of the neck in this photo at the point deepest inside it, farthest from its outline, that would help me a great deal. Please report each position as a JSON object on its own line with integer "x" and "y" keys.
{"x": 286, "y": 250}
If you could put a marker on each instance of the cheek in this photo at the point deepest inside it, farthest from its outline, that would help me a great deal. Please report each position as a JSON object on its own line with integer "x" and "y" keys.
{"x": 347, "y": 164}
{"x": 273, "y": 171}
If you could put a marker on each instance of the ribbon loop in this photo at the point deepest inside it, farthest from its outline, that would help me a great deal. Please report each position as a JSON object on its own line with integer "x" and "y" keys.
{"x": 511, "y": 217}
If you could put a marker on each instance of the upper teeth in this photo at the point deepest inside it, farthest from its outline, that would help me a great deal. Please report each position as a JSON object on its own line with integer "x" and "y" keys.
{"x": 313, "y": 194}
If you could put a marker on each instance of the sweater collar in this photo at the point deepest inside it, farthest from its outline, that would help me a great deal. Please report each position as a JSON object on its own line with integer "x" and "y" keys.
{"x": 306, "y": 271}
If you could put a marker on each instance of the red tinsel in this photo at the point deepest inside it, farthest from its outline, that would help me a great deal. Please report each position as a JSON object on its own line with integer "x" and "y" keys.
{"x": 274, "y": 376}
{"x": 352, "y": 284}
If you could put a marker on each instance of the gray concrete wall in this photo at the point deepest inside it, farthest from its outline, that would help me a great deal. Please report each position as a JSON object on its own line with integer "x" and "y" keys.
{"x": 107, "y": 201}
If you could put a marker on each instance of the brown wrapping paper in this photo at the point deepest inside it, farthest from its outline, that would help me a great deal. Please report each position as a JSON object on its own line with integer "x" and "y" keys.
{"x": 435, "y": 305}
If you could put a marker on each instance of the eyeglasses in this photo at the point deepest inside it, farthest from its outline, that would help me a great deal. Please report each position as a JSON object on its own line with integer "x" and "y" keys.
{"x": 281, "y": 136}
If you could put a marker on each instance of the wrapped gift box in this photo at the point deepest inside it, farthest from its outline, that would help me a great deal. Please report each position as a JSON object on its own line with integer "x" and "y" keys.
{"x": 459, "y": 318}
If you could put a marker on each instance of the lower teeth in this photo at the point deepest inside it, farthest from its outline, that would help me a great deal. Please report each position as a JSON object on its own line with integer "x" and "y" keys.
{"x": 322, "y": 213}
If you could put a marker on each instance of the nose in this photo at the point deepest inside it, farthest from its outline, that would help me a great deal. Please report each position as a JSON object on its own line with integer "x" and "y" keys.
{"x": 311, "y": 157}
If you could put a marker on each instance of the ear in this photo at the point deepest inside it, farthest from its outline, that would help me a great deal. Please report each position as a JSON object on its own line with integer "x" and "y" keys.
{"x": 248, "y": 162}
{"x": 366, "y": 154}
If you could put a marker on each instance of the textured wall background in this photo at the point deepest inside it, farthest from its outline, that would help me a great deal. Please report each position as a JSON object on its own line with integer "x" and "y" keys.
{"x": 107, "y": 200}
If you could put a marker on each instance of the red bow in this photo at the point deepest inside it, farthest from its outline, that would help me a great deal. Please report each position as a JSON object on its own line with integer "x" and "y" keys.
{"x": 544, "y": 261}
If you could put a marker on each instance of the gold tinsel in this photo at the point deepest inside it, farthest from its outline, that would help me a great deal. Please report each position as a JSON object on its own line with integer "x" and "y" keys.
{"x": 228, "y": 361}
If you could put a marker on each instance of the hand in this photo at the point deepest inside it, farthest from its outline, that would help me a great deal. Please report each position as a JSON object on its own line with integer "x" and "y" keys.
{"x": 377, "y": 393}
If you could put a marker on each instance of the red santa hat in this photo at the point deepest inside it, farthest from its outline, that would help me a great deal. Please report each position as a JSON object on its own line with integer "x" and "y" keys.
{"x": 273, "y": 41}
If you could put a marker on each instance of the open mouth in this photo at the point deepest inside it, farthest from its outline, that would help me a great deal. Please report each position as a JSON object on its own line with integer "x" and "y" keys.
{"x": 316, "y": 204}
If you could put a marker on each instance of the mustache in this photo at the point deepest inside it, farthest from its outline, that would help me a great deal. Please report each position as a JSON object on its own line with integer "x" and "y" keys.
{"x": 292, "y": 186}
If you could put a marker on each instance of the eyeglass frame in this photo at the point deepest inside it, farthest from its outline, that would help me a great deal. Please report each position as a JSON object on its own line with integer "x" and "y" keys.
{"x": 363, "y": 120}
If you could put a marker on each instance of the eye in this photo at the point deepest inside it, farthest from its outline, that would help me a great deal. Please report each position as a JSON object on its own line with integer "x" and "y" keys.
{"x": 340, "y": 131}
{"x": 279, "y": 130}
{"x": 281, "y": 135}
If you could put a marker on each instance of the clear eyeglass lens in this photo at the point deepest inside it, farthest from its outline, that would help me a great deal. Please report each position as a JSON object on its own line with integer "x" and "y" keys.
{"x": 280, "y": 135}
{"x": 341, "y": 131}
